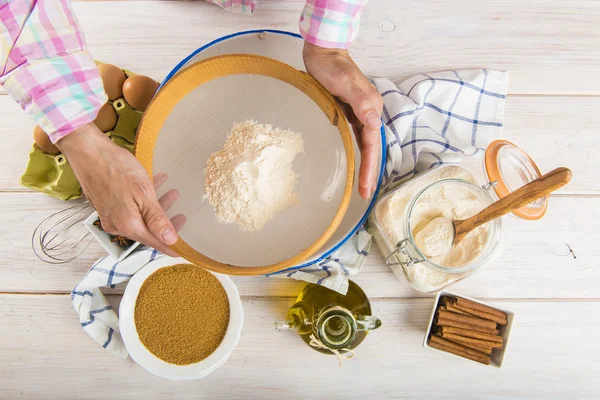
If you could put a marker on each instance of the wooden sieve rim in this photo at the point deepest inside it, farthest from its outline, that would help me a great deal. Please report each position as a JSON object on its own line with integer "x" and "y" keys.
{"x": 204, "y": 71}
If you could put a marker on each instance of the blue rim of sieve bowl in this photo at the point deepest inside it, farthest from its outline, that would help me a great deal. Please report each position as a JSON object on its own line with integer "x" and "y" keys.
{"x": 382, "y": 131}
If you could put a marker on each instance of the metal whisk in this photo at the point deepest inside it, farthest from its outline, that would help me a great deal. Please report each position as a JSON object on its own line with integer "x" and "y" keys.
{"x": 61, "y": 237}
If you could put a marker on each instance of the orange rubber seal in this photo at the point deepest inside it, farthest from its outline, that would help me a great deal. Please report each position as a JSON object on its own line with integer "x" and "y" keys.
{"x": 492, "y": 168}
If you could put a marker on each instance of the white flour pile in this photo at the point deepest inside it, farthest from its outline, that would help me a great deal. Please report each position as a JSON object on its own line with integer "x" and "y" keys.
{"x": 251, "y": 178}
{"x": 436, "y": 238}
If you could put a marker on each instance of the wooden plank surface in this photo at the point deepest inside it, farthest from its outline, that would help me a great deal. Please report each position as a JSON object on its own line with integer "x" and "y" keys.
{"x": 552, "y": 50}
{"x": 534, "y": 261}
{"x": 555, "y": 131}
{"x": 45, "y": 354}
{"x": 549, "y": 47}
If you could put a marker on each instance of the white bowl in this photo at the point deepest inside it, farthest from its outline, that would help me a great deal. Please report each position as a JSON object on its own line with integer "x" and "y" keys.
{"x": 113, "y": 248}
{"x": 498, "y": 354}
{"x": 155, "y": 365}
{"x": 287, "y": 47}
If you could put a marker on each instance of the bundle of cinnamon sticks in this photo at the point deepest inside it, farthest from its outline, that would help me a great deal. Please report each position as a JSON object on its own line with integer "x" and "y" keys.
{"x": 467, "y": 329}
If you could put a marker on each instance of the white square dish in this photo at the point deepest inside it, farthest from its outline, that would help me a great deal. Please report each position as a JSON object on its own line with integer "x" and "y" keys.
{"x": 113, "y": 248}
{"x": 498, "y": 354}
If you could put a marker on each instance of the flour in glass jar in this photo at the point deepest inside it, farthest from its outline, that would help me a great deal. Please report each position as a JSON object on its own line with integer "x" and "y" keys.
{"x": 390, "y": 213}
{"x": 454, "y": 203}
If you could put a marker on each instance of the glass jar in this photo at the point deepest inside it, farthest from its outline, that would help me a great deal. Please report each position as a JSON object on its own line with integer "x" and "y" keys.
{"x": 505, "y": 167}
{"x": 394, "y": 232}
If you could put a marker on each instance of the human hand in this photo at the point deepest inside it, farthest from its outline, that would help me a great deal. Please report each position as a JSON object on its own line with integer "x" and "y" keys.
{"x": 336, "y": 71}
{"x": 120, "y": 190}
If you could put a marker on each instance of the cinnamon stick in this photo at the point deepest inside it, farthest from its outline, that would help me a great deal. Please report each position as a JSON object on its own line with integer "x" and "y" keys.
{"x": 475, "y": 321}
{"x": 447, "y": 322}
{"x": 480, "y": 314}
{"x": 480, "y": 307}
{"x": 468, "y": 333}
{"x": 454, "y": 348}
{"x": 457, "y": 346}
{"x": 485, "y": 350}
{"x": 446, "y": 300}
{"x": 467, "y": 340}
{"x": 454, "y": 310}
{"x": 482, "y": 349}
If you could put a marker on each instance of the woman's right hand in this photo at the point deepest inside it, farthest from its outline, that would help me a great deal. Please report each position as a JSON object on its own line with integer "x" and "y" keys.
{"x": 120, "y": 190}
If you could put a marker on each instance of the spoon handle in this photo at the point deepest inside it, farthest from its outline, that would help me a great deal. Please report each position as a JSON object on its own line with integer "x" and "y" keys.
{"x": 526, "y": 194}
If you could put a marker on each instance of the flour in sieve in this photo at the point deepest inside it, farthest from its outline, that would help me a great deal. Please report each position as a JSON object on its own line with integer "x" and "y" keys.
{"x": 251, "y": 178}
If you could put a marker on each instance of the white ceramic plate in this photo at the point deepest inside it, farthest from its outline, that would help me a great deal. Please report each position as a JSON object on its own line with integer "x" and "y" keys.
{"x": 287, "y": 47}
{"x": 158, "y": 367}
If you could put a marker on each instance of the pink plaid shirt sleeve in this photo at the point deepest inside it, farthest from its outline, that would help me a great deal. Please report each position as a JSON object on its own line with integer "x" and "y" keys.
{"x": 241, "y": 6}
{"x": 324, "y": 23}
{"x": 44, "y": 65}
{"x": 331, "y": 23}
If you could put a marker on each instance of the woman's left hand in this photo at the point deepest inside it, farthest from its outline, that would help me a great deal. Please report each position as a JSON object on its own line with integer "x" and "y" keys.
{"x": 336, "y": 71}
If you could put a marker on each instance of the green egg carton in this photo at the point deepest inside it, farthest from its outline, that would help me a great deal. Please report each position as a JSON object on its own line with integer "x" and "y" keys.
{"x": 52, "y": 174}
{"x": 119, "y": 141}
{"x": 128, "y": 121}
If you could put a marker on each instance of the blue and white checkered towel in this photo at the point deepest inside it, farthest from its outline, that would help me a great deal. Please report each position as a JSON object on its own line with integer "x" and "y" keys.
{"x": 429, "y": 119}
{"x": 96, "y": 316}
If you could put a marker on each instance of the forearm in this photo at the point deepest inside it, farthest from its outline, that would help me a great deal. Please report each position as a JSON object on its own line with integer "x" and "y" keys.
{"x": 331, "y": 23}
{"x": 45, "y": 66}
{"x": 83, "y": 142}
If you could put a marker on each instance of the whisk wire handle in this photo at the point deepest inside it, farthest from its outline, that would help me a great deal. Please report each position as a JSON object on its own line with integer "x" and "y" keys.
{"x": 58, "y": 239}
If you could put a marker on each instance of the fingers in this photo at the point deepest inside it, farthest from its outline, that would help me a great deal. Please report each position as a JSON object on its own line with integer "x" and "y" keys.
{"x": 168, "y": 199}
{"x": 366, "y": 102}
{"x": 336, "y": 71}
{"x": 144, "y": 235}
{"x": 367, "y": 105}
{"x": 349, "y": 113}
{"x": 129, "y": 223}
{"x": 370, "y": 148}
{"x": 138, "y": 231}
{"x": 352, "y": 86}
{"x": 157, "y": 222}
{"x": 159, "y": 179}
{"x": 154, "y": 228}
{"x": 178, "y": 221}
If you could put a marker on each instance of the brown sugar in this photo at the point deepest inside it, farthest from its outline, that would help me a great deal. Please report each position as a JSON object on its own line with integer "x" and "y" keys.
{"x": 181, "y": 314}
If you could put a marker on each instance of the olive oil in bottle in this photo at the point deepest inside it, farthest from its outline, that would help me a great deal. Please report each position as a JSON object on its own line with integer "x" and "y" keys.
{"x": 327, "y": 320}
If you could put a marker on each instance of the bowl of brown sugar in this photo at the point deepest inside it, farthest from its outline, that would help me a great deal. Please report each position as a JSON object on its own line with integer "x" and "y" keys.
{"x": 180, "y": 321}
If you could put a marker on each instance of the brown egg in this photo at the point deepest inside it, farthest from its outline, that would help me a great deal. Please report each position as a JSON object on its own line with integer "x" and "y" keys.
{"x": 139, "y": 90}
{"x": 112, "y": 78}
{"x": 107, "y": 118}
{"x": 43, "y": 141}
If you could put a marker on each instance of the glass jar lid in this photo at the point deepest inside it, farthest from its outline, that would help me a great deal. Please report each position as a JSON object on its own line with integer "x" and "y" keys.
{"x": 509, "y": 167}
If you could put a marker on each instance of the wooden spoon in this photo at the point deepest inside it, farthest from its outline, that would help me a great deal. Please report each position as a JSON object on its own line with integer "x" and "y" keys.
{"x": 442, "y": 234}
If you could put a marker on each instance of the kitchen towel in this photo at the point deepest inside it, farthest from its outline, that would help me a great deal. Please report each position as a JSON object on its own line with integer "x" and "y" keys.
{"x": 96, "y": 315}
{"x": 429, "y": 119}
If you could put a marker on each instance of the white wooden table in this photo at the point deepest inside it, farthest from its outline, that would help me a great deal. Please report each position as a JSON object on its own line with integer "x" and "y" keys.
{"x": 551, "y": 48}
